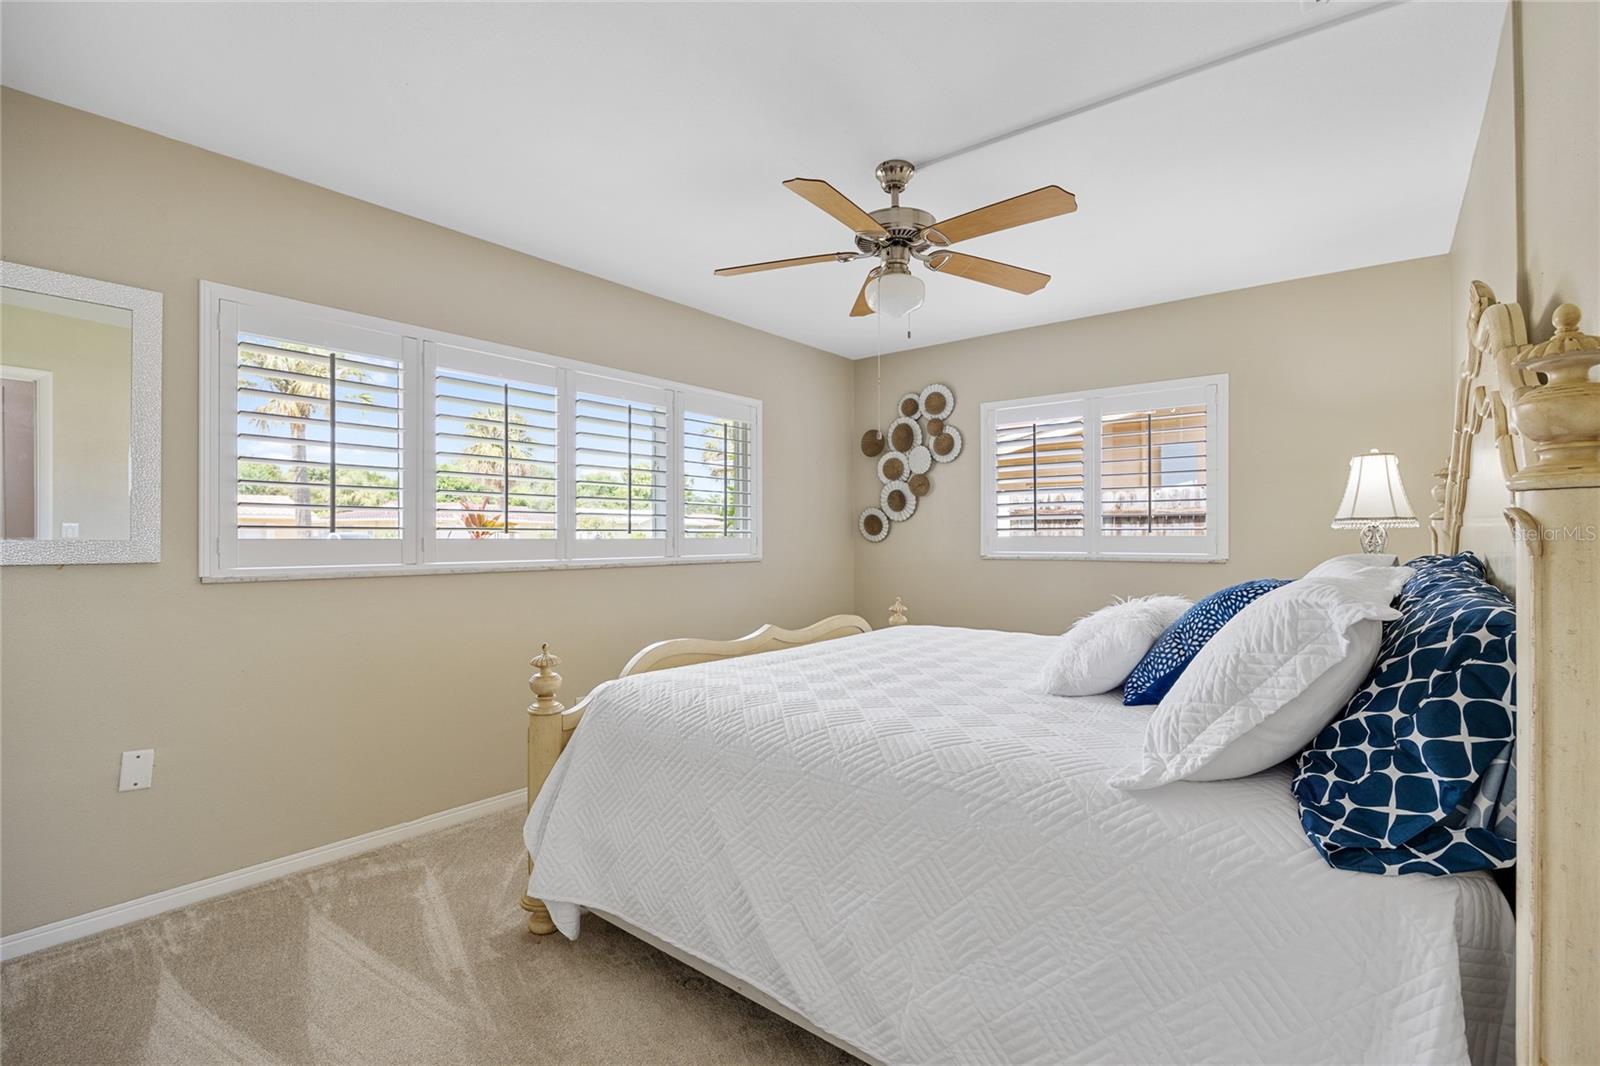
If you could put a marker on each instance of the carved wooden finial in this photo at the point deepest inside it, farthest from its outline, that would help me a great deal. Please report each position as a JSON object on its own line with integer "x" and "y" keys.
{"x": 546, "y": 683}
{"x": 1560, "y": 418}
{"x": 897, "y": 613}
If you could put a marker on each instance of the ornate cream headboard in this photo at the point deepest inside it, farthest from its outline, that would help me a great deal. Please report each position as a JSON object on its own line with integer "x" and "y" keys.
{"x": 1532, "y": 511}
{"x": 1471, "y": 491}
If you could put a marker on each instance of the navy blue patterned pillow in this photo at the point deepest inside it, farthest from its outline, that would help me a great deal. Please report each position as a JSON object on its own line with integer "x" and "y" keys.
{"x": 1430, "y": 567}
{"x": 1408, "y": 778}
{"x": 1175, "y": 649}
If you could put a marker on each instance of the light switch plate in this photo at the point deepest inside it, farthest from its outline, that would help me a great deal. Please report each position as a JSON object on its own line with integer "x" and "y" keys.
{"x": 138, "y": 769}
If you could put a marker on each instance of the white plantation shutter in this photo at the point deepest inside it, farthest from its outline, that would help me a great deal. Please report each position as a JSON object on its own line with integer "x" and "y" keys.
{"x": 1137, "y": 471}
{"x": 1038, "y": 465}
{"x": 1153, "y": 472}
{"x": 619, "y": 486}
{"x": 718, "y": 475}
{"x": 315, "y": 467}
{"x": 337, "y": 444}
{"x": 495, "y": 456}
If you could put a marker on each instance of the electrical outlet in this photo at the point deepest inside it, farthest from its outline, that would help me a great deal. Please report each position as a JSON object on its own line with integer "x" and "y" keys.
{"x": 138, "y": 769}
{"x": 69, "y": 531}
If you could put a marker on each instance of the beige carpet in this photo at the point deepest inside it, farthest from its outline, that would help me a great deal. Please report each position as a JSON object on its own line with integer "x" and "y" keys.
{"x": 416, "y": 953}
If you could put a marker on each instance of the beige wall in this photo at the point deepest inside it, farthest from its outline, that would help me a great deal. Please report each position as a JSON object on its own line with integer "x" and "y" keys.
{"x": 290, "y": 714}
{"x": 1319, "y": 370}
{"x": 1558, "y": 159}
{"x": 1485, "y": 244}
{"x": 91, "y": 367}
{"x": 1530, "y": 219}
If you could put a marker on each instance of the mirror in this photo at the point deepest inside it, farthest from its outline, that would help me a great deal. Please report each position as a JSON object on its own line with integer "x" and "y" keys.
{"x": 80, "y": 419}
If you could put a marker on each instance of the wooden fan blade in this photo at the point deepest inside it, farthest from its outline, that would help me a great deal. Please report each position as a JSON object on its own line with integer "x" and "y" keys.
{"x": 779, "y": 264}
{"x": 836, "y": 204}
{"x": 861, "y": 307}
{"x": 1000, "y": 275}
{"x": 1048, "y": 202}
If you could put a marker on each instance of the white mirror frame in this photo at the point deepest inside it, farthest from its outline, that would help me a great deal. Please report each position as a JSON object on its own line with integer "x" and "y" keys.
{"x": 143, "y": 544}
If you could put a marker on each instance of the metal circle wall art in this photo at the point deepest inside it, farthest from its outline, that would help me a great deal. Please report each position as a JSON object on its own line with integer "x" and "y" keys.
{"x": 904, "y": 433}
{"x": 898, "y": 501}
{"x": 937, "y": 401}
{"x": 874, "y": 524}
{"x": 905, "y": 453}
{"x": 947, "y": 445}
{"x": 919, "y": 459}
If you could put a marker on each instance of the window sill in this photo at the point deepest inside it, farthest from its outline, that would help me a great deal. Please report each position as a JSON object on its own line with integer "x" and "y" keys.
{"x": 1103, "y": 557}
{"x": 317, "y": 573}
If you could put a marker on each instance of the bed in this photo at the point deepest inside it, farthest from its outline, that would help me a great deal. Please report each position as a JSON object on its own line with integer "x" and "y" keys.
{"x": 892, "y": 839}
{"x": 928, "y": 866}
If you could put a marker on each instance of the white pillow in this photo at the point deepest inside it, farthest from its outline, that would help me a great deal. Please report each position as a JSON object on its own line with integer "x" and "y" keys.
{"x": 1345, "y": 565}
{"x": 1101, "y": 649}
{"x": 1267, "y": 683}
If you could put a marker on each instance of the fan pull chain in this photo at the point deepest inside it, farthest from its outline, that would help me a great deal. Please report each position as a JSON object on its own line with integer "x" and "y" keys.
{"x": 878, "y": 403}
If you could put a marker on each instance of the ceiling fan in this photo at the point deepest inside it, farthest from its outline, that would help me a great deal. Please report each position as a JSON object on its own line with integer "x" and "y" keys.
{"x": 895, "y": 235}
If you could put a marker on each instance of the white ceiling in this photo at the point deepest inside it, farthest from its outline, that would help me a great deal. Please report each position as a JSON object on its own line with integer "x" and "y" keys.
{"x": 645, "y": 143}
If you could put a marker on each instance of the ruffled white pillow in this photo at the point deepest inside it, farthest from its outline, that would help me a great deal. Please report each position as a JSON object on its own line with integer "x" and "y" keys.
{"x": 1101, "y": 649}
{"x": 1346, "y": 565}
{"x": 1259, "y": 690}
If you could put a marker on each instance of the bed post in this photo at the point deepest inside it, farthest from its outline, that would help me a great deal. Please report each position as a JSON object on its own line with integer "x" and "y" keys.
{"x": 544, "y": 747}
{"x": 1556, "y": 501}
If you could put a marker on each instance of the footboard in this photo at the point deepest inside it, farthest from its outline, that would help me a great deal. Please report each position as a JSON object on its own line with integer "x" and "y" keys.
{"x": 550, "y": 724}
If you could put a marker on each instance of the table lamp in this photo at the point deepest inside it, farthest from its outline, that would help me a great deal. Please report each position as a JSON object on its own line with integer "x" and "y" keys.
{"x": 1374, "y": 500}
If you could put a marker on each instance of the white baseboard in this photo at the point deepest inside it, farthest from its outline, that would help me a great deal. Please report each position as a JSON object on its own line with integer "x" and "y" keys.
{"x": 47, "y": 936}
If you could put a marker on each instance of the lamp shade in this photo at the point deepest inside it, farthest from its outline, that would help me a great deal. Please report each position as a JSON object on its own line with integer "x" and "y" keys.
{"x": 1374, "y": 495}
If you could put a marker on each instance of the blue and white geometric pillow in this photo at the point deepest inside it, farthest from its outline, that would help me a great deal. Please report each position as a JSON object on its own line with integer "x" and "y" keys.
{"x": 1417, "y": 775}
{"x": 1176, "y": 648}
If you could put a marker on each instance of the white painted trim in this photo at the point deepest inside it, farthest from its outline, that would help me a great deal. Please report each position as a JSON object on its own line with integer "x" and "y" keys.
{"x": 69, "y": 929}
{"x": 488, "y": 566}
{"x": 44, "y": 443}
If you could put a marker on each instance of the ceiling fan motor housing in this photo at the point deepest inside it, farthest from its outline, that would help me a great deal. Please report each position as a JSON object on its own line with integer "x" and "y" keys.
{"x": 905, "y": 226}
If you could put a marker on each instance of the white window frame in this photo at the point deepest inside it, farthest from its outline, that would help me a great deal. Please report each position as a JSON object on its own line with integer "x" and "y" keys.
{"x": 421, "y": 349}
{"x": 1090, "y": 404}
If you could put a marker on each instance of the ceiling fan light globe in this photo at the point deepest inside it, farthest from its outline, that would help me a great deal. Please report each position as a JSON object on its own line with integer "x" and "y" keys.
{"x": 895, "y": 295}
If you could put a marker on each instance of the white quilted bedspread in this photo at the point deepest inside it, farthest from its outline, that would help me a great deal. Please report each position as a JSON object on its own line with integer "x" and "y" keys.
{"x": 895, "y": 836}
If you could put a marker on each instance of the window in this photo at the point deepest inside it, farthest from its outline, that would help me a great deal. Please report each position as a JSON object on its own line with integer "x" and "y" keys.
{"x": 311, "y": 457}
{"x": 620, "y": 492}
{"x": 495, "y": 454}
{"x": 337, "y": 444}
{"x": 1133, "y": 472}
{"x": 718, "y": 510}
